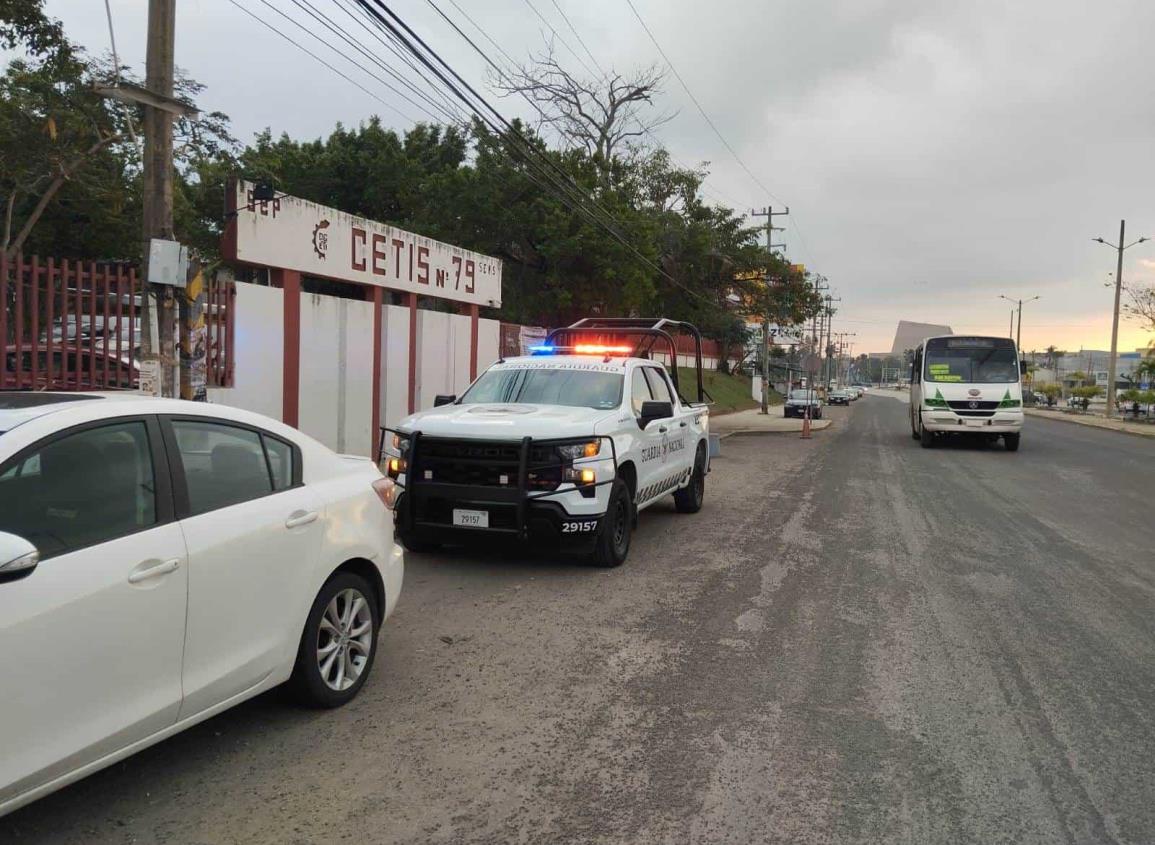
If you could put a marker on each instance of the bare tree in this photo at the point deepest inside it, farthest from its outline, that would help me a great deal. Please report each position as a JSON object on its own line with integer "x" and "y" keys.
{"x": 1142, "y": 308}
{"x": 599, "y": 116}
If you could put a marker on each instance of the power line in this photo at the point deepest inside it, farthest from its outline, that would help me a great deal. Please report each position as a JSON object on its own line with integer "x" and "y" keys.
{"x": 690, "y": 93}
{"x": 556, "y": 35}
{"x": 335, "y": 70}
{"x": 386, "y": 40}
{"x": 343, "y": 34}
{"x": 577, "y": 35}
{"x": 571, "y": 194}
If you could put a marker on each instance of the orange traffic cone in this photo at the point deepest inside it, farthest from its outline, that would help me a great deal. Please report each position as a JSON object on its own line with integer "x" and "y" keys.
{"x": 806, "y": 425}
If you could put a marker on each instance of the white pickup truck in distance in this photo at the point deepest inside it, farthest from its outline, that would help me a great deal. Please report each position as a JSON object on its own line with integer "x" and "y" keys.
{"x": 564, "y": 446}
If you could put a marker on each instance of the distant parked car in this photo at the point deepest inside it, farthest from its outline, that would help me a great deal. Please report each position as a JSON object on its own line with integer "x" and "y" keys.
{"x": 71, "y": 369}
{"x": 799, "y": 400}
{"x": 840, "y": 397}
{"x": 162, "y": 561}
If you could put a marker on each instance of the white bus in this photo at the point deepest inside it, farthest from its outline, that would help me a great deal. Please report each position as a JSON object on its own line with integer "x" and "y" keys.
{"x": 966, "y": 385}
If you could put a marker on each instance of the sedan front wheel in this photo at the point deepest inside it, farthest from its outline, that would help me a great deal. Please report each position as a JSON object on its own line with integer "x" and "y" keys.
{"x": 339, "y": 642}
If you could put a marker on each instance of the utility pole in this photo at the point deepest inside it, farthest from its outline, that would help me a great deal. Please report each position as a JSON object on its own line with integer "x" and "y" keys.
{"x": 1120, "y": 248}
{"x": 769, "y": 213}
{"x": 829, "y": 322}
{"x": 157, "y": 188}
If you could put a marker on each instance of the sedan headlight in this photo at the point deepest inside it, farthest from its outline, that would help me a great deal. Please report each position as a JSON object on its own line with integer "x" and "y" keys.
{"x": 573, "y": 451}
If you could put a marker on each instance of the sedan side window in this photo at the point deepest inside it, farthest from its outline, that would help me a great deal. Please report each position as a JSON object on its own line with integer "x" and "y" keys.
{"x": 280, "y": 462}
{"x": 639, "y": 391}
{"x": 223, "y": 464}
{"x": 81, "y": 489}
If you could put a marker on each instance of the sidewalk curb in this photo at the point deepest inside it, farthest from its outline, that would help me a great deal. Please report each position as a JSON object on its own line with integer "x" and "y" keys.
{"x": 723, "y": 436}
{"x": 1074, "y": 420}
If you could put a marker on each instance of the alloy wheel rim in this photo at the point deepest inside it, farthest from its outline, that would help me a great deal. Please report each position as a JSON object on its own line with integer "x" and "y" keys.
{"x": 344, "y": 639}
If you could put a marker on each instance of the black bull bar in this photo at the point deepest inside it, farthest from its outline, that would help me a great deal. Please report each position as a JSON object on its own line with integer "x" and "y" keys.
{"x": 417, "y": 488}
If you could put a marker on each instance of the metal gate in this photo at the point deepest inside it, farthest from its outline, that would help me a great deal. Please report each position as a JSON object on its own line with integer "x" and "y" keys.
{"x": 75, "y": 325}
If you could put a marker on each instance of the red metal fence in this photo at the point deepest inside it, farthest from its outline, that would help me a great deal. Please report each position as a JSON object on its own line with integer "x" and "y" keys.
{"x": 75, "y": 325}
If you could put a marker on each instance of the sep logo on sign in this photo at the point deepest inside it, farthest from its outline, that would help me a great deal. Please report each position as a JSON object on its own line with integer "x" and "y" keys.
{"x": 321, "y": 239}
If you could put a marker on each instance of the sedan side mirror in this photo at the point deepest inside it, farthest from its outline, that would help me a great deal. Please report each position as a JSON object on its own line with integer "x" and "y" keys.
{"x": 655, "y": 409}
{"x": 18, "y": 557}
{"x": 444, "y": 399}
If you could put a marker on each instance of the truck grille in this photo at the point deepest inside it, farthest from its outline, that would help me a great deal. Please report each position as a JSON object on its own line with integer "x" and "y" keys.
{"x": 485, "y": 463}
{"x": 972, "y": 405}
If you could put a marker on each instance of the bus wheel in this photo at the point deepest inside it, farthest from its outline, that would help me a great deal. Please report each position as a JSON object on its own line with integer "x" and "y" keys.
{"x": 1011, "y": 441}
{"x": 926, "y": 438}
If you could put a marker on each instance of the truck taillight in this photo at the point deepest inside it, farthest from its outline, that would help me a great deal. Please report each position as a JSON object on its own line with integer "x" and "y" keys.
{"x": 386, "y": 490}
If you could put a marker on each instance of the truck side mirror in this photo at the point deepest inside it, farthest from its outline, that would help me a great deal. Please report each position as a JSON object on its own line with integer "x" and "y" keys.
{"x": 655, "y": 409}
{"x": 444, "y": 399}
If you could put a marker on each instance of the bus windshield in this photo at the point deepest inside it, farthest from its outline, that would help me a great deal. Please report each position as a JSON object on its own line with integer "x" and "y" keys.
{"x": 982, "y": 360}
{"x": 540, "y": 386}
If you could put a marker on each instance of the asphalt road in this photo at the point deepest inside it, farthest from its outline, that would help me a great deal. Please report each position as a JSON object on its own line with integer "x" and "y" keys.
{"x": 856, "y": 641}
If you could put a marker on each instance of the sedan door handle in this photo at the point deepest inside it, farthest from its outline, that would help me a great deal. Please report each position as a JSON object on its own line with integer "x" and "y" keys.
{"x": 298, "y": 518}
{"x": 662, "y": 429}
{"x": 154, "y": 571}
{"x": 682, "y": 424}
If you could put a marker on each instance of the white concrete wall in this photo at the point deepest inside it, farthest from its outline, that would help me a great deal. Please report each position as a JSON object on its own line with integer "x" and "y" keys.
{"x": 443, "y": 355}
{"x": 259, "y": 337}
{"x": 336, "y": 398}
{"x": 394, "y": 364}
{"x": 336, "y": 392}
{"x": 488, "y": 343}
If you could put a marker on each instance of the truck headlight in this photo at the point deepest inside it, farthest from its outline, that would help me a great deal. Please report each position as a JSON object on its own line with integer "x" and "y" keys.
{"x": 400, "y": 443}
{"x": 573, "y": 451}
{"x": 579, "y": 476}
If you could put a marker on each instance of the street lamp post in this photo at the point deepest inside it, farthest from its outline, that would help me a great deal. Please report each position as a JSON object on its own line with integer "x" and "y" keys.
{"x": 1119, "y": 248}
{"x": 1019, "y": 304}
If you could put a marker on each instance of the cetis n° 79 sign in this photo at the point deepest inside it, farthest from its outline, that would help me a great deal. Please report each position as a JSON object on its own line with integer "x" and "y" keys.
{"x": 295, "y": 234}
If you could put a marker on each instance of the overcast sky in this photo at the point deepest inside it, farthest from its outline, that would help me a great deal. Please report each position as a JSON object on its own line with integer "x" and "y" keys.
{"x": 934, "y": 153}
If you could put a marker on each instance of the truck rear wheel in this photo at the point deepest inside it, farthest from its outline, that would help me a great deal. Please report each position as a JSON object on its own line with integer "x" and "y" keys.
{"x": 613, "y": 543}
{"x": 689, "y": 498}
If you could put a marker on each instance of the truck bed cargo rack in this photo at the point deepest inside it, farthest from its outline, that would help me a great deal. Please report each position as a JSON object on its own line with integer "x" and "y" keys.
{"x": 647, "y": 331}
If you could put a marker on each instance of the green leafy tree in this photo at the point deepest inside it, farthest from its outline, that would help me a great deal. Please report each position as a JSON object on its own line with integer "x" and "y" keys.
{"x": 69, "y": 158}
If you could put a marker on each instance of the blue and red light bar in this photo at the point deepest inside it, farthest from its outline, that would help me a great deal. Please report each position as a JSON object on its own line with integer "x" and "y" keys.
{"x": 581, "y": 349}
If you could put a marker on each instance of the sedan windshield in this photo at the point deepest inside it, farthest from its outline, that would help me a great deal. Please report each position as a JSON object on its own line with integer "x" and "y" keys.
{"x": 971, "y": 360}
{"x": 801, "y": 394}
{"x": 574, "y": 388}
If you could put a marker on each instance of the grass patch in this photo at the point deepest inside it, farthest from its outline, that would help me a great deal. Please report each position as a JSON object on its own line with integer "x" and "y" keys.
{"x": 730, "y": 392}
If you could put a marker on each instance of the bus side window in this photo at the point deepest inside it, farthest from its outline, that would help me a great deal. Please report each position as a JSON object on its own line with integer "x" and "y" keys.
{"x": 916, "y": 367}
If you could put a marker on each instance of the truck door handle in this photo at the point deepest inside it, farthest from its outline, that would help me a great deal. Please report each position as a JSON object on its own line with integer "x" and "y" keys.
{"x": 143, "y": 573}
{"x": 681, "y": 425}
{"x": 662, "y": 429}
{"x": 298, "y": 518}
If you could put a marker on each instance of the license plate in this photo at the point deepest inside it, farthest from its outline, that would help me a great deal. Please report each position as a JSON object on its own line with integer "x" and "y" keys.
{"x": 470, "y": 519}
{"x": 976, "y": 423}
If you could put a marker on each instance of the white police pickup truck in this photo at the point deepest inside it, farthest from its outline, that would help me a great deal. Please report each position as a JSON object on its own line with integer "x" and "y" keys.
{"x": 564, "y": 446}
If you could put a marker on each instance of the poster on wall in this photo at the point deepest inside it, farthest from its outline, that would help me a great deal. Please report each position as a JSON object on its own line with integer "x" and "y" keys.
{"x": 295, "y": 234}
{"x": 531, "y": 336}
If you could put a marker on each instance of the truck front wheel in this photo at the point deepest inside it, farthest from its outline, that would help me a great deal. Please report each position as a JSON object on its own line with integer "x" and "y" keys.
{"x": 613, "y": 542}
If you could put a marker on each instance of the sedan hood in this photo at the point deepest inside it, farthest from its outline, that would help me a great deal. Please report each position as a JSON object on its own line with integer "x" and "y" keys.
{"x": 506, "y": 421}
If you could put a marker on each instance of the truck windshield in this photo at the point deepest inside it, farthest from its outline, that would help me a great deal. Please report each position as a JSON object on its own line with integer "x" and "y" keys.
{"x": 983, "y": 360}
{"x": 575, "y": 388}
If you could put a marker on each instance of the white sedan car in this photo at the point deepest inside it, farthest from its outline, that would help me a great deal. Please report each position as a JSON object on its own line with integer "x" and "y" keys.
{"x": 161, "y": 561}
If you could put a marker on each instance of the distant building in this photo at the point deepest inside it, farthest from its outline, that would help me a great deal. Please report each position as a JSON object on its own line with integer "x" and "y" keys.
{"x": 909, "y": 335}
